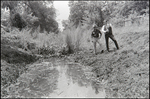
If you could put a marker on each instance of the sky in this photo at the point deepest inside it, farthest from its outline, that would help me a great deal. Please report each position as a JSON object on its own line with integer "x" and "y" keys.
{"x": 62, "y": 11}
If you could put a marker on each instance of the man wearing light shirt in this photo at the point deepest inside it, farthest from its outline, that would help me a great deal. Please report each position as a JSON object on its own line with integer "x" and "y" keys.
{"x": 107, "y": 30}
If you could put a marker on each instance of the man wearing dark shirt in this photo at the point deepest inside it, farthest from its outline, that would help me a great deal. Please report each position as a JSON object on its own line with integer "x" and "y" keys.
{"x": 96, "y": 35}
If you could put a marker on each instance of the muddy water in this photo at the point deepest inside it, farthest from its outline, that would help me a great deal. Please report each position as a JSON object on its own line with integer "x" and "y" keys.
{"x": 58, "y": 78}
{"x": 75, "y": 80}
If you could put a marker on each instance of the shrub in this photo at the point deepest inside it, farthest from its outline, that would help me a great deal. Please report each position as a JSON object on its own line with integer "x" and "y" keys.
{"x": 73, "y": 38}
{"x": 77, "y": 39}
{"x": 33, "y": 43}
{"x": 18, "y": 21}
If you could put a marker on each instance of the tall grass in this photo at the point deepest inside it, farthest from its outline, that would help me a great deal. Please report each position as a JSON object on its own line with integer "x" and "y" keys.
{"x": 76, "y": 39}
{"x": 35, "y": 43}
{"x": 69, "y": 41}
{"x": 139, "y": 25}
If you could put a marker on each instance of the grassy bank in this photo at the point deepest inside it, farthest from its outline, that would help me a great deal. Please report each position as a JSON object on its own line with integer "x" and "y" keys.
{"x": 19, "y": 49}
{"x": 124, "y": 71}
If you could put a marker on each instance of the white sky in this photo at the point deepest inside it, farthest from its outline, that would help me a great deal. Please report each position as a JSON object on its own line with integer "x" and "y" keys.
{"x": 62, "y": 12}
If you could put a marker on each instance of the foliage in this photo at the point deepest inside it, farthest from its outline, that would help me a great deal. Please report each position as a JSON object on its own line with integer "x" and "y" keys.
{"x": 23, "y": 46}
{"x": 131, "y": 6}
{"x": 18, "y": 22}
{"x": 33, "y": 14}
{"x": 9, "y": 75}
{"x": 126, "y": 69}
{"x": 84, "y": 12}
{"x": 76, "y": 39}
{"x": 10, "y": 4}
{"x": 46, "y": 16}
{"x": 35, "y": 44}
{"x": 89, "y": 12}
{"x": 65, "y": 24}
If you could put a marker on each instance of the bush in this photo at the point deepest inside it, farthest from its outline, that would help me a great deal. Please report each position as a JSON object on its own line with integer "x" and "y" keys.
{"x": 18, "y": 21}
{"x": 35, "y": 43}
{"x": 73, "y": 38}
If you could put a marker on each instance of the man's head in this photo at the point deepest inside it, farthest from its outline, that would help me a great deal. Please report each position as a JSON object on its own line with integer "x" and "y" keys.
{"x": 108, "y": 25}
{"x": 94, "y": 26}
{"x": 105, "y": 22}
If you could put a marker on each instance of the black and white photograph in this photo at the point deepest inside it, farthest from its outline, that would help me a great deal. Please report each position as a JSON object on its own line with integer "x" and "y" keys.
{"x": 74, "y": 49}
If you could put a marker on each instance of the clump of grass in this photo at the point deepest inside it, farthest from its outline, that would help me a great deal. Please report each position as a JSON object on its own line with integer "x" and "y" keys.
{"x": 77, "y": 39}
{"x": 73, "y": 39}
{"x": 34, "y": 43}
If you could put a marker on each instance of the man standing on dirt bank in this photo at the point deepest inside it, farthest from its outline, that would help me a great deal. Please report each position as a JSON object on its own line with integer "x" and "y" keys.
{"x": 107, "y": 29}
{"x": 96, "y": 35}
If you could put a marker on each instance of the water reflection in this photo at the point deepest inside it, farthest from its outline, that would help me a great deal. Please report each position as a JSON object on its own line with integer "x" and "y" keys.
{"x": 76, "y": 74}
{"x": 73, "y": 82}
{"x": 39, "y": 81}
{"x": 57, "y": 78}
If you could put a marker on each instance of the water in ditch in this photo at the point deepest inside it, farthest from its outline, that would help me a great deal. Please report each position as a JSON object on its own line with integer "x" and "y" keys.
{"x": 57, "y": 79}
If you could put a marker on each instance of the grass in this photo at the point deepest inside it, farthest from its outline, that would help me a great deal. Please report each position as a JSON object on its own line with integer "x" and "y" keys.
{"x": 37, "y": 43}
{"x": 20, "y": 48}
{"x": 73, "y": 39}
{"x": 38, "y": 81}
{"x": 126, "y": 70}
{"x": 9, "y": 75}
{"x": 77, "y": 39}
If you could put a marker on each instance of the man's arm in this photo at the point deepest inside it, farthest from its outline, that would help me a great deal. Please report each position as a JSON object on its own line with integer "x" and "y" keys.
{"x": 100, "y": 34}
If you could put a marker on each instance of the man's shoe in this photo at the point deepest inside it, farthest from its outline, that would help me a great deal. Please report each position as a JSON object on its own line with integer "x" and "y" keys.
{"x": 102, "y": 51}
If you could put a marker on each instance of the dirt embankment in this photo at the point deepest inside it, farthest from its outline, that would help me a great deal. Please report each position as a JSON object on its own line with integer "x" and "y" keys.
{"x": 126, "y": 70}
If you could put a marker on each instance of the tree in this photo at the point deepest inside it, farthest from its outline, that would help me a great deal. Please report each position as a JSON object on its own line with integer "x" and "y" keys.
{"x": 45, "y": 14}
{"x": 95, "y": 14}
{"x": 65, "y": 24}
{"x": 134, "y": 6}
{"x": 86, "y": 12}
{"x": 33, "y": 13}
{"x": 77, "y": 12}
{"x": 15, "y": 19}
